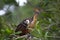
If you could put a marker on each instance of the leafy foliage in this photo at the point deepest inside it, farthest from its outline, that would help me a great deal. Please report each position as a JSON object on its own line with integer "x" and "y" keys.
{"x": 47, "y": 26}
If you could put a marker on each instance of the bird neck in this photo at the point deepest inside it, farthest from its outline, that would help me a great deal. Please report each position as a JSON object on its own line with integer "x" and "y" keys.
{"x": 35, "y": 16}
{"x": 36, "y": 13}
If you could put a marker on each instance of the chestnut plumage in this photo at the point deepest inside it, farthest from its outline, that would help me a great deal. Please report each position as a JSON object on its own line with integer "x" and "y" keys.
{"x": 27, "y": 23}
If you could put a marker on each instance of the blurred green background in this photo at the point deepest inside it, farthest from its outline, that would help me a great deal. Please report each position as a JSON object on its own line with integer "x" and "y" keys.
{"x": 47, "y": 26}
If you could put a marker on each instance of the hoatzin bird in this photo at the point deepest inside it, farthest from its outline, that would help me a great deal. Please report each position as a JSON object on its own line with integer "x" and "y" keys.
{"x": 28, "y": 23}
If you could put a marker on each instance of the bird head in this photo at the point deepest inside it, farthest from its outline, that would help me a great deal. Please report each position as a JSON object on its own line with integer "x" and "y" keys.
{"x": 38, "y": 10}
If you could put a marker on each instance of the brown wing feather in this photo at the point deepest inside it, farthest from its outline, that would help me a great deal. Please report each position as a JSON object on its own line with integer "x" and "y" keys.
{"x": 23, "y": 27}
